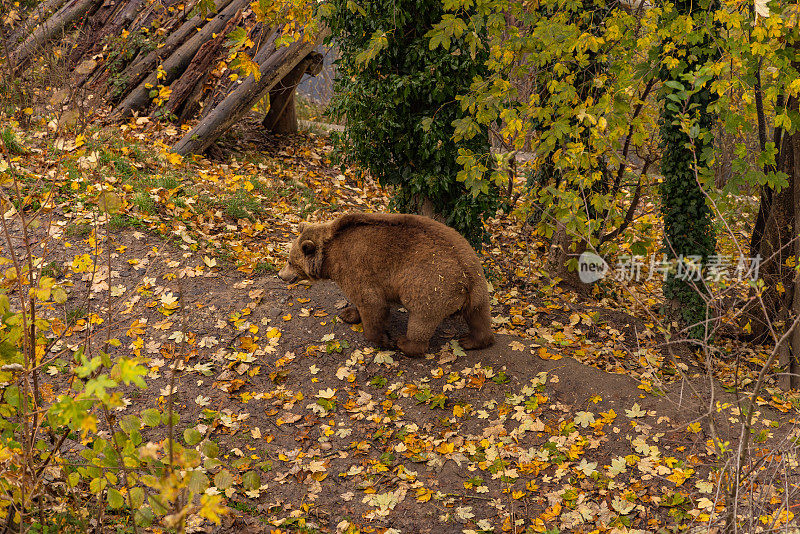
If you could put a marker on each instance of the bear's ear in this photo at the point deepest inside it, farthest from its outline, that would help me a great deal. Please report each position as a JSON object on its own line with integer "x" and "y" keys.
{"x": 308, "y": 247}
{"x": 302, "y": 226}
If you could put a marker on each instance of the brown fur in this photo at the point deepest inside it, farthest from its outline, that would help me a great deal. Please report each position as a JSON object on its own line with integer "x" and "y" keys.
{"x": 383, "y": 259}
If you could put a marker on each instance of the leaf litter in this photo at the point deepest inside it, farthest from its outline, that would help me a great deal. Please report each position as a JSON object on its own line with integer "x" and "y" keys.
{"x": 320, "y": 430}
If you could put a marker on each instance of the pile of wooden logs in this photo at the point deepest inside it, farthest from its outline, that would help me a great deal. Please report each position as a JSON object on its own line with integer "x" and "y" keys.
{"x": 168, "y": 59}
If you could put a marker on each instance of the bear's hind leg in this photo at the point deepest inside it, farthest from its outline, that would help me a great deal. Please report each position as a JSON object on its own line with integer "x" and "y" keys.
{"x": 419, "y": 334}
{"x": 350, "y": 315}
{"x": 480, "y": 333}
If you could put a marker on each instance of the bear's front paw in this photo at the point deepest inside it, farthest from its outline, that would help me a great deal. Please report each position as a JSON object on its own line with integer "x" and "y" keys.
{"x": 472, "y": 343}
{"x": 350, "y": 315}
{"x": 379, "y": 339}
{"x": 412, "y": 349}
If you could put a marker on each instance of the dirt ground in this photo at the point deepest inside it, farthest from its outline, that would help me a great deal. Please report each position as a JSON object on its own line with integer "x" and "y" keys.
{"x": 562, "y": 425}
{"x": 345, "y": 436}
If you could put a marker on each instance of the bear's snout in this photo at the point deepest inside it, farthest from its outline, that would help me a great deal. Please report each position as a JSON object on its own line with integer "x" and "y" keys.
{"x": 288, "y": 274}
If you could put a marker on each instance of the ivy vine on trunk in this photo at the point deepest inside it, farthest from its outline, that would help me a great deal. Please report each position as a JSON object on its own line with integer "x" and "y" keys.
{"x": 687, "y": 119}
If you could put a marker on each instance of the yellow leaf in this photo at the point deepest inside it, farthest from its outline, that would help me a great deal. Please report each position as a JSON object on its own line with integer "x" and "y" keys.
{"x": 446, "y": 448}
{"x": 81, "y": 263}
{"x": 543, "y": 354}
{"x": 424, "y": 494}
{"x": 174, "y": 158}
{"x": 273, "y": 333}
{"x": 211, "y": 507}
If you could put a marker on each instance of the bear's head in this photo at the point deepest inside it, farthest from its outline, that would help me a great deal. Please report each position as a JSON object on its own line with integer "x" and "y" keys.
{"x": 305, "y": 253}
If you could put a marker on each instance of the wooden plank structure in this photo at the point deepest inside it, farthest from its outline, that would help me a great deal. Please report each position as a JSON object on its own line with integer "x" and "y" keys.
{"x": 178, "y": 72}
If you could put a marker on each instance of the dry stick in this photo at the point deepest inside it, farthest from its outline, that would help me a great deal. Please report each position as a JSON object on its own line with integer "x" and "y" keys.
{"x": 107, "y": 414}
{"x": 171, "y": 397}
{"x": 125, "y": 470}
{"x": 744, "y": 437}
{"x": 37, "y": 395}
{"x": 28, "y": 351}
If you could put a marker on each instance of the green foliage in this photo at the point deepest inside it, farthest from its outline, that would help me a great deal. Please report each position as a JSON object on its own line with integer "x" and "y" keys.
{"x": 563, "y": 81}
{"x": 116, "y": 471}
{"x": 397, "y": 89}
{"x": 11, "y": 142}
{"x": 687, "y": 119}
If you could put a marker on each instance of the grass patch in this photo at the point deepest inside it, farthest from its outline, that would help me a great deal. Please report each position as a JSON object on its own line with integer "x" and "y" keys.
{"x": 124, "y": 222}
{"x": 244, "y": 507}
{"x": 242, "y": 206}
{"x": 78, "y": 230}
{"x": 144, "y": 203}
{"x": 74, "y": 314}
{"x": 122, "y": 165}
{"x": 303, "y": 197}
{"x": 53, "y": 270}
{"x": 262, "y": 188}
{"x": 11, "y": 141}
{"x": 264, "y": 267}
{"x": 167, "y": 182}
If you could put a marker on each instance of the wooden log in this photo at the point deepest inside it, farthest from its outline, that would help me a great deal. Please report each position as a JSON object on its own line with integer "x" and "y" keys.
{"x": 122, "y": 18}
{"x": 282, "y": 116}
{"x": 263, "y": 45}
{"x": 47, "y": 30}
{"x": 197, "y": 71}
{"x": 176, "y": 64}
{"x": 103, "y": 22}
{"x": 242, "y": 99}
{"x": 40, "y": 13}
{"x": 138, "y": 70}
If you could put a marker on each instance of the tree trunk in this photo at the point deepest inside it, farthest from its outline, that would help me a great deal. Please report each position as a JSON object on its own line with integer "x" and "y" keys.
{"x": 138, "y": 70}
{"x": 176, "y": 64}
{"x": 242, "y": 99}
{"x": 559, "y": 255}
{"x": 778, "y": 243}
{"x": 792, "y": 367}
{"x": 47, "y": 30}
{"x": 42, "y": 12}
{"x": 92, "y": 30}
{"x": 282, "y": 117}
{"x": 197, "y": 71}
{"x": 263, "y": 45}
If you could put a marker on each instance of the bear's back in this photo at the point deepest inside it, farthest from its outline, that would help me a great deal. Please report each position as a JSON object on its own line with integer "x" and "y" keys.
{"x": 389, "y": 242}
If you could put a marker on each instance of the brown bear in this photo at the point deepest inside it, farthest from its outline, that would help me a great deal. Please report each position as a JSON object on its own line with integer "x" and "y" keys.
{"x": 382, "y": 259}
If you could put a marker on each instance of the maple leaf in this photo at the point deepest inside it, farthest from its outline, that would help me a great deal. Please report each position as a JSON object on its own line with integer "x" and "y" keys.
{"x": 618, "y": 465}
{"x": 584, "y": 418}
{"x": 587, "y": 468}
{"x": 516, "y": 345}
{"x": 635, "y": 411}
